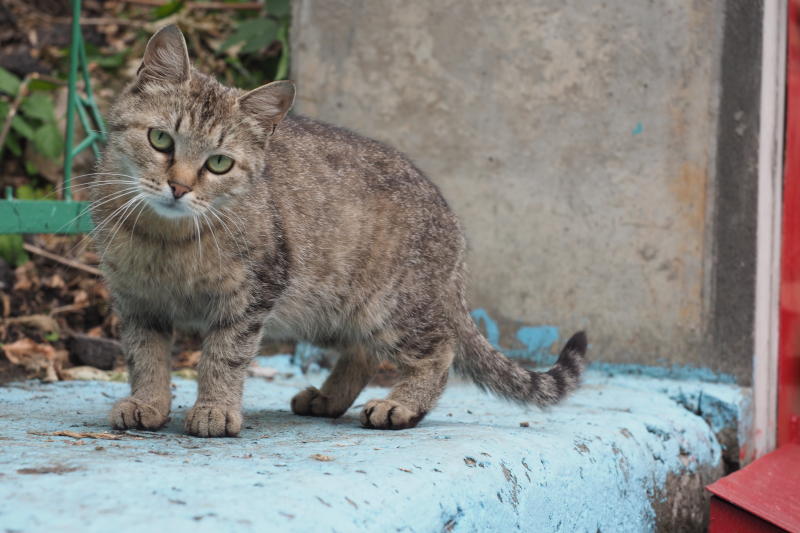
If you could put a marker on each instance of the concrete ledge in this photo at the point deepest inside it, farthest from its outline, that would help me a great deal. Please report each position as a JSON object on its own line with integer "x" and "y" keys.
{"x": 623, "y": 454}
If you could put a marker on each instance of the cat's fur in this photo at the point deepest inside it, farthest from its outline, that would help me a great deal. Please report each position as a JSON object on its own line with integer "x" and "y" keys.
{"x": 315, "y": 234}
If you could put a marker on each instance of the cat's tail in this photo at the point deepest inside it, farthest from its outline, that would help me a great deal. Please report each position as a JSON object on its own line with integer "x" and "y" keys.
{"x": 490, "y": 369}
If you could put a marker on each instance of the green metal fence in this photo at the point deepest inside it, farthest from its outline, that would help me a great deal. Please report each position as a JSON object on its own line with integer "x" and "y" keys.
{"x": 67, "y": 215}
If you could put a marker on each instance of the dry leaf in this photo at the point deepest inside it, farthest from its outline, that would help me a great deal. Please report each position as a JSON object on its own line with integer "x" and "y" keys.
{"x": 186, "y": 359}
{"x": 25, "y": 277}
{"x": 54, "y": 282}
{"x": 39, "y": 358}
{"x": 84, "y": 373}
{"x": 80, "y": 297}
{"x": 41, "y": 322}
{"x": 323, "y": 458}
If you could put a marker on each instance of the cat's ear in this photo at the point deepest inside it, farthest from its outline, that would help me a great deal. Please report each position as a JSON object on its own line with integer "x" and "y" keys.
{"x": 166, "y": 58}
{"x": 269, "y": 102}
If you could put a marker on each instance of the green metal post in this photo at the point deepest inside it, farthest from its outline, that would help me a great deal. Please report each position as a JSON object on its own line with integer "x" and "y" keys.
{"x": 72, "y": 96}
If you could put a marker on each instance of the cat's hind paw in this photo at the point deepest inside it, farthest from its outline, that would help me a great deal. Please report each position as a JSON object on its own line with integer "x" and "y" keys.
{"x": 311, "y": 402}
{"x": 133, "y": 413}
{"x": 213, "y": 421}
{"x": 388, "y": 414}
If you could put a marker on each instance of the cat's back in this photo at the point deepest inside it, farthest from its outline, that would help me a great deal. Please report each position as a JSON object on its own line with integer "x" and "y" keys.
{"x": 310, "y": 154}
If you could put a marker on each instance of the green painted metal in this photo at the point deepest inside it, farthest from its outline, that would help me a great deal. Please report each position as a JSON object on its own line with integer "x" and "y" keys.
{"x": 67, "y": 215}
{"x": 44, "y": 216}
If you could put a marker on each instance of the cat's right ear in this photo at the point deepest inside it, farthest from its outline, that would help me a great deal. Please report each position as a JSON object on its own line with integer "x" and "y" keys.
{"x": 270, "y": 102}
{"x": 166, "y": 58}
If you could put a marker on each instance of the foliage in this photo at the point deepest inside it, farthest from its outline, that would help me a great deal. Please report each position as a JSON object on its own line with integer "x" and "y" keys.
{"x": 34, "y": 123}
{"x": 256, "y": 49}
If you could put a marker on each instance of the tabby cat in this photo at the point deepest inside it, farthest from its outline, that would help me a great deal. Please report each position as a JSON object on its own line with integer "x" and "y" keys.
{"x": 219, "y": 213}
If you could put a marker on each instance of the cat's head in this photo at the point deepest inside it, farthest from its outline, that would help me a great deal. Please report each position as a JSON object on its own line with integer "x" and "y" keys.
{"x": 185, "y": 142}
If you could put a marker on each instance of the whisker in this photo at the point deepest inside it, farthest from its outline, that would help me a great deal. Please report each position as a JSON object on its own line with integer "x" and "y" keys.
{"x": 211, "y": 230}
{"x": 131, "y": 204}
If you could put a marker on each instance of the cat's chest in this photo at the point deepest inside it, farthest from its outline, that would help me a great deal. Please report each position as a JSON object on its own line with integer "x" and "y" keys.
{"x": 189, "y": 286}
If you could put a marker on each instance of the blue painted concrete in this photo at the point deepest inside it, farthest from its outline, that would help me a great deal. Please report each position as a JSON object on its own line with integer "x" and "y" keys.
{"x": 587, "y": 464}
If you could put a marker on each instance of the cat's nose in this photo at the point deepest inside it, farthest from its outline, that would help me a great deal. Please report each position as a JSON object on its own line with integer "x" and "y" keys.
{"x": 178, "y": 189}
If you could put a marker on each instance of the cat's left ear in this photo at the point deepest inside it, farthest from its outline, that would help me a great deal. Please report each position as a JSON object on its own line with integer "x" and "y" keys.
{"x": 270, "y": 102}
{"x": 166, "y": 58}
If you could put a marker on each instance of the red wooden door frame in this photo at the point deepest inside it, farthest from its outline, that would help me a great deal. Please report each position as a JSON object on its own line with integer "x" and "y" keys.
{"x": 789, "y": 341}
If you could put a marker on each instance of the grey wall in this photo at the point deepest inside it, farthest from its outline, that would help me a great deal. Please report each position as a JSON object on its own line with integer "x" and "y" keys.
{"x": 577, "y": 141}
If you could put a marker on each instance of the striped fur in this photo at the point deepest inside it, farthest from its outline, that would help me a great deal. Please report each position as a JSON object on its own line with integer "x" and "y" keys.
{"x": 315, "y": 234}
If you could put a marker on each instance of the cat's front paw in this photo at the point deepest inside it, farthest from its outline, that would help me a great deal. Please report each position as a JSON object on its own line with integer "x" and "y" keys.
{"x": 213, "y": 421}
{"x": 133, "y": 413}
{"x": 388, "y": 414}
{"x": 311, "y": 402}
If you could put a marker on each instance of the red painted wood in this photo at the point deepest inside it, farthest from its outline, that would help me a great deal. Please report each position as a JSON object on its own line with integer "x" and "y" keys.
{"x": 768, "y": 488}
{"x": 727, "y": 518}
{"x": 789, "y": 341}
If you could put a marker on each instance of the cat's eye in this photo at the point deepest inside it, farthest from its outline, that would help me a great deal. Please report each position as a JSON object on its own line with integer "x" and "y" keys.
{"x": 219, "y": 164}
{"x": 160, "y": 140}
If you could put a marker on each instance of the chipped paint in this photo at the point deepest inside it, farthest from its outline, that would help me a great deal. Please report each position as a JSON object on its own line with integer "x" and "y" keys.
{"x": 469, "y": 466}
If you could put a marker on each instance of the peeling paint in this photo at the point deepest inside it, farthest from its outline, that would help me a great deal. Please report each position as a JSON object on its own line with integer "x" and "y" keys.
{"x": 468, "y": 466}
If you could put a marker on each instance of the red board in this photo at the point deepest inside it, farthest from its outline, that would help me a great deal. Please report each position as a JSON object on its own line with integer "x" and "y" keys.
{"x": 768, "y": 488}
{"x": 727, "y": 518}
{"x": 789, "y": 343}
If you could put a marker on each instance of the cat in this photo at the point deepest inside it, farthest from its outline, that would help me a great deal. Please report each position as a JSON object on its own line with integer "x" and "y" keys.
{"x": 217, "y": 212}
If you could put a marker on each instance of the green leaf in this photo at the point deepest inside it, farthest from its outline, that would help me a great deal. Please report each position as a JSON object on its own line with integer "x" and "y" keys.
{"x": 42, "y": 85}
{"x": 12, "y": 251}
{"x": 39, "y": 105}
{"x": 256, "y": 34}
{"x": 53, "y": 336}
{"x": 48, "y": 141}
{"x": 282, "y": 72}
{"x": 12, "y": 143}
{"x": 168, "y": 9}
{"x": 21, "y": 126}
{"x": 8, "y": 82}
{"x": 30, "y": 168}
{"x": 278, "y": 8}
{"x": 112, "y": 61}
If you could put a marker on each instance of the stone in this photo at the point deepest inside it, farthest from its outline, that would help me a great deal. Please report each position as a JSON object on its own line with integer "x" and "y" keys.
{"x": 95, "y": 351}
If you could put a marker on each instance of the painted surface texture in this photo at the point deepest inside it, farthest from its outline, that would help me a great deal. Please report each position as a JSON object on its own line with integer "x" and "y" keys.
{"x": 613, "y": 457}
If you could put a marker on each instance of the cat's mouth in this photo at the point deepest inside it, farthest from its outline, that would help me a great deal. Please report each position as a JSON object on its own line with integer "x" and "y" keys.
{"x": 171, "y": 208}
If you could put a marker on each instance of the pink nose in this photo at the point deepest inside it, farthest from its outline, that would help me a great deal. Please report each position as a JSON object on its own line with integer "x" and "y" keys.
{"x": 178, "y": 189}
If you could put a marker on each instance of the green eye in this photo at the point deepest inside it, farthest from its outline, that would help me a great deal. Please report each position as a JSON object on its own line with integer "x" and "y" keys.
{"x": 160, "y": 140}
{"x": 219, "y": 164}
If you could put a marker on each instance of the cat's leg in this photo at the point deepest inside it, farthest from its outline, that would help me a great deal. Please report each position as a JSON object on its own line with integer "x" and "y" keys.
{"x": 350, "y": 375}
{"x": 227, "y": 352}
{"x": 147, "y": 345}
{"x": 424, "y": 376}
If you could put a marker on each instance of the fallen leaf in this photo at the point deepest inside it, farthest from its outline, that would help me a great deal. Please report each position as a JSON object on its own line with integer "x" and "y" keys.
{"x": 186, "y": 359}
{"x": 54, "y": 282}
{"x": 80, "y": 297}
{"x": 38, "y": 358}
{"x": 85, "y": 373}
{"x": 524, "y": 424}
{"x": 406, "y": 470}
{"x": 55, "y": 469}
{"x": 323, "y": 458}
{"x": 41, "y": 322}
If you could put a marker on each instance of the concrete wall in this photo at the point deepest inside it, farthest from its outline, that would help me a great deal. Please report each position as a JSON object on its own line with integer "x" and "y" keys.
{"x": 578, "y": 143}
